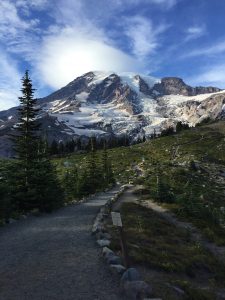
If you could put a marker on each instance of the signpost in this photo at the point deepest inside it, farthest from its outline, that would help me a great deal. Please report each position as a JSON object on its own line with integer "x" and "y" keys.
{"x": 117, "y": 221}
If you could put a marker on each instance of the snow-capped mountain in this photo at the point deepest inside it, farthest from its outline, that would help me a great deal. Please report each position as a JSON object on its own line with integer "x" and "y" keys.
{"x": 107, "y": 103}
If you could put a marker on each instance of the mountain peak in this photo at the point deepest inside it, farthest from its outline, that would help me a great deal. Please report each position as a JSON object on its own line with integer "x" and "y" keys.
{"x": 113, "y": 104}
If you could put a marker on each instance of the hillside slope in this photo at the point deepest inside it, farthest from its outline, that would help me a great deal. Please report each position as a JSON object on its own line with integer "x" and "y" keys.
{"x": 190, "y": 164}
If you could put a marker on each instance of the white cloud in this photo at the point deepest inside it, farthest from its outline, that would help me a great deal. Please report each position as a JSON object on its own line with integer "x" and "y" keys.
{"x": 194, "y": 32}
{"x": 36, "y": 4}
{"x": 16, "y": 33}
{"x": 9, "y": 82}
{"x": 214, "y": 75}
{"x": 71, "y": 53}
{"x": 77, "y": 41}
{"x": 165, "y": 3}
{"x": 10, "y": 21}
{"x": 214, "y": 50}
{"x": 143, "y": 36}
{"x": 25, "y": 6}
{"x": 162, "y": 3}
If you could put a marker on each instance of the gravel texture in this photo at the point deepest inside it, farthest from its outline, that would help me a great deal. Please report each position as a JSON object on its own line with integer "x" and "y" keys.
{"x": 55, "y": 256}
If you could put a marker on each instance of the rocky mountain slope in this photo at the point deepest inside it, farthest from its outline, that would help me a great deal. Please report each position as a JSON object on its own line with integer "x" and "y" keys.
{"x": 108, "y": 104}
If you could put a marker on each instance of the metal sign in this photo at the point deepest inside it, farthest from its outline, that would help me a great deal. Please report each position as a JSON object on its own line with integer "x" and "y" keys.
{"x": 116, "y": 219}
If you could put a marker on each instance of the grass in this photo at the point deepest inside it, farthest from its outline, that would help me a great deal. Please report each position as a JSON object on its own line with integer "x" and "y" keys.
{"x": 159, "y": 245}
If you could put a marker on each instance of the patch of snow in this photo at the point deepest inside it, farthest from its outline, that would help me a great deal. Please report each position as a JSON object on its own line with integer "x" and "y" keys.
{"x": 82, "y": 97}
{"x": 151, "y": 81}
{"x": 131, "y": 79}
{"x": 100, "y": 76}
{"x": 178, "y": 99}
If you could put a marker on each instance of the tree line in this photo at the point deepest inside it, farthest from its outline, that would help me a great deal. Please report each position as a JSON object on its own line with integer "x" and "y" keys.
{"x": 77, "y": 145}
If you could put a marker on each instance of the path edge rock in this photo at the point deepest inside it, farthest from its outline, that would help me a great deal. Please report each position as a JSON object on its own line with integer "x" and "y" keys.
{"x": 131, "y": 283}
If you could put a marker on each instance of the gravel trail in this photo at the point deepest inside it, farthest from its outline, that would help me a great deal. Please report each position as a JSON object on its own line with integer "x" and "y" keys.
{"x": 56, "y": 257}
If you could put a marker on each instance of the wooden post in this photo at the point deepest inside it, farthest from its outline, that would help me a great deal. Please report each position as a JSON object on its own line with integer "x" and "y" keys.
{"x": 124, "y": 247}
{"x": 116, "y": 219}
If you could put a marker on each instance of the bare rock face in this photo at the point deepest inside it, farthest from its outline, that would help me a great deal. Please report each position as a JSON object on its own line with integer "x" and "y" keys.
{"x": 196, "y": 112}
{"x": 106, "y": 91}
{"x": 78, "y": 85}
{"x": 176, "y": 86}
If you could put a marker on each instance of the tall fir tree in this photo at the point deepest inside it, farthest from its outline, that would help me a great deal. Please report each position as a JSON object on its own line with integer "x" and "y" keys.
{"x": 26, "y": 140}
{"x": 36, "y": 183}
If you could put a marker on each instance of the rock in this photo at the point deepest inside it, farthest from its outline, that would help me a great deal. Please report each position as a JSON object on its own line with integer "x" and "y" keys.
{"x": 134, "y": 290}
{"x": 114, "y": 260}
{"x": 103, "y": 235}
{"x": 131, "y": 274}
{"x": 117, "y": 269}
{"x": 97, "y": 227}
{"x": 175, "y": 85}
{"x": 11, "y": 220}
{"x": 103, "y": 243}
{"x": 106, "y": 251}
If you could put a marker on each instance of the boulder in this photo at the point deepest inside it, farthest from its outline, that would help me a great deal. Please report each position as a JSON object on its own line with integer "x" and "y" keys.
{"x": 117, "y": 269}
{"x": 131, "y": 274}
{"x": 114, "y": 260}
{"x": 103, "y": 235}
{"x": 103, "y": 243}
{"x": 106, "y": 251}
{"x": 97, "y": 227}
{"x": 11, "y": 220}
{"x": 135, "y": 290}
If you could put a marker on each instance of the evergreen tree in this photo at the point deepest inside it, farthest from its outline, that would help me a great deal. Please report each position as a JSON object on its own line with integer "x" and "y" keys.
{"x": 36, "y": 184}
{"x": 167, "y": 131}
{"x": 61, "y": 148}
{"x": 54, "y": 148}
{"x": 164, "y": 194}
{"x": 6, "y": 185}
{"x": 78, "y": 144}
{"x": 181, "y": 126}
{"x": 107, "y": 172}
{"x": 26, "y": 141}
{"x": 71, "y": 183}
{"x": 49, "y": 194}
{"x": 92, "y": 179}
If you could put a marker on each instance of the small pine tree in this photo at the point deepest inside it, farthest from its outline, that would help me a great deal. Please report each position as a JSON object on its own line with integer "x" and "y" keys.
{"x": 49, "y": 194}
{"x": 71, "y": 183}
{"x": 108, "y": 177}
{"x": 5, "y": 199}
{"x": 61, "y": 148}
{"x": 54, "y": 148}
{"x": 93, "y": 176}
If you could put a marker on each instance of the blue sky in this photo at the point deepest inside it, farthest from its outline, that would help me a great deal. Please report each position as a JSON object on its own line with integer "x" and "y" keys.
{"x": 58, "y": 40}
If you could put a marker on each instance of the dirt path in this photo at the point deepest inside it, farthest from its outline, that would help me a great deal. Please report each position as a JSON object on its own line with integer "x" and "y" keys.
{"x": 130, "y": 196}
{"x": 55, "y": 257}
{"x": 217, "y": 251}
